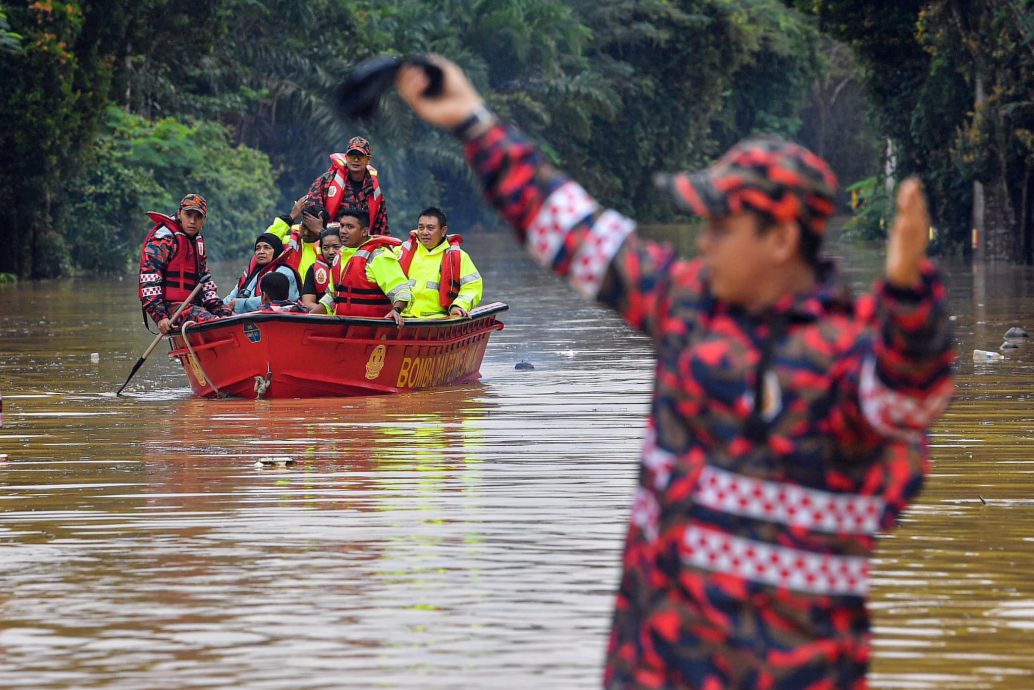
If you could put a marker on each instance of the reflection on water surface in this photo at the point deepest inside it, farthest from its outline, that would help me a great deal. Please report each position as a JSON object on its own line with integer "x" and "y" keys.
{"x": 463, "y": 537}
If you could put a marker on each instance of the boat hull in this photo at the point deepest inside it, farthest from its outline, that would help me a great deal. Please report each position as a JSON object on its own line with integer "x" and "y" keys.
{"x": 260, "y": 355}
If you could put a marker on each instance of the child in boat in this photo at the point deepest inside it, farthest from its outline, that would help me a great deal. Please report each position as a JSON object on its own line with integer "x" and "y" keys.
{"x": 275, "y": 288}
{"x": 788, "y": 421}
{"x": 443, "y": 277}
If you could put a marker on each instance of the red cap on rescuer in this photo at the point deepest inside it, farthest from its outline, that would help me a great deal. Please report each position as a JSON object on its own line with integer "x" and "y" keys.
{"x": 774, "y": 177}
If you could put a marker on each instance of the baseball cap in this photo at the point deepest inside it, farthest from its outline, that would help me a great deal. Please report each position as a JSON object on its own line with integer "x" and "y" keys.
{"x": 359, "y": 144}
{"x": 766, "y": 174}
{"x": 194, "y": 202}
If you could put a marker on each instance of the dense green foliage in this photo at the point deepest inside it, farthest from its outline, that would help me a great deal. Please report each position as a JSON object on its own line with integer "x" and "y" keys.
{"x": 951, "y": 83}
{"x": 113, "y": 107}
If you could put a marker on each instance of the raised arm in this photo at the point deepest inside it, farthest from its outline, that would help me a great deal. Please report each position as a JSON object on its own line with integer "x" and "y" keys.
{"x": 906, "y": 383}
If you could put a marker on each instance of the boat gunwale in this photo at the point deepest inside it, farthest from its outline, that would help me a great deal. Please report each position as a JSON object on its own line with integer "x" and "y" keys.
{"x": 338, "y": 321}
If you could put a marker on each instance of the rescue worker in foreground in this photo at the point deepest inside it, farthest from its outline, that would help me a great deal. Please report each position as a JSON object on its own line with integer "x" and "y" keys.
{"x": 443, "y": 277}
{"x": 318, "y": 280}
{"x": 788, "y": 420}
{"x": 270, "y": 256}
{"x": 171, "y": 262}
{"x": 352, "y": 183}
{"x": 367, "y": 278}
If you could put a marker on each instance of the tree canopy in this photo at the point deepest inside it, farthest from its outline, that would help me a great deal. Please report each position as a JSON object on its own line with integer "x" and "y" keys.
{"x": 112, "y": 107}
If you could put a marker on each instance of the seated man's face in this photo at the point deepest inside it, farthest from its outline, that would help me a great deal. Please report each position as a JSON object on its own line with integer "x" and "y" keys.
{"x": 429, "y": 233}
{"x": 353, "y": 233}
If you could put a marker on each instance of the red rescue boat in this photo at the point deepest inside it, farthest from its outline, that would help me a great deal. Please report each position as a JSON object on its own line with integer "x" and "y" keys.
{"x": 277, "y": 355}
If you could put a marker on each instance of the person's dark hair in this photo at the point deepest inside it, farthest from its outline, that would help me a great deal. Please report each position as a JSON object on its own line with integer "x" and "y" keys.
{"x": 275, "y": 285}
{"x": 435, "y": 212}
{"x": 315, "y": 208}
{"x": 361, "y": 215}
{"x": 332, "y": 230}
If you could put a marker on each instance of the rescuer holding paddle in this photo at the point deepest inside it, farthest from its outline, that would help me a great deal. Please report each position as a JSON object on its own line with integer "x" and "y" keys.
{"x": 171, "y": 262}
{"x": 788, "y": 421}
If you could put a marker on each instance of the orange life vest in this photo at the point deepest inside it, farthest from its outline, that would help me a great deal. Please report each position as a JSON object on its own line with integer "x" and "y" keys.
{"x": 354, "y": 293}
{"x": 184, "y": 267}
{"x": 336, "y": 188}
{"x": 321, "y": 277}
{"x": 449, "y": 283}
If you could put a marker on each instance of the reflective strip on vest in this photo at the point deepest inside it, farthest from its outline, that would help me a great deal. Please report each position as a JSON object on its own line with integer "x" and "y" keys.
{"x": 802, "y": 571}
{"x": 470, "y": 279}
{"x": 788, "y": 504}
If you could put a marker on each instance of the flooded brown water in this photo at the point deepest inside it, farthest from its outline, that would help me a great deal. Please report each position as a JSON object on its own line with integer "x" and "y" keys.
{"x": 460, "y": 538}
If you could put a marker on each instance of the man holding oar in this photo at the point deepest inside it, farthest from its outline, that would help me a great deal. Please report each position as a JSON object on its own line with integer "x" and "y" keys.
{"x": 788, "y": 420}
{"x": 172, "y": 261}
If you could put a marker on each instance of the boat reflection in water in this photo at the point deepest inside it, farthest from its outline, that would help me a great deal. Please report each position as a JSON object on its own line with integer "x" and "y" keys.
{"x": 281, "y": 355}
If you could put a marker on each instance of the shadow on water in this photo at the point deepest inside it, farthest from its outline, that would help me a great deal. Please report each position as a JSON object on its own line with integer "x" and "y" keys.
{"x": 462, "y": 537}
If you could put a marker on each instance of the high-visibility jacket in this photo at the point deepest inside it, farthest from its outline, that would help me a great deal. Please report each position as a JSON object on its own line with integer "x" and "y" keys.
{"x": 440, "y": 277}
{"x": 306, "y": 252}
{"x": 367, "y": 280}
{"x": 336, "y": 188}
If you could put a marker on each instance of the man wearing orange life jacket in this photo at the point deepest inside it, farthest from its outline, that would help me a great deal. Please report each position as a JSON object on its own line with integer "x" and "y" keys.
{"x": 171, "y": 262}
{"x": 368, "y": 280}
{"x": 443, "y": 276}
{"x": 351, "y": 182}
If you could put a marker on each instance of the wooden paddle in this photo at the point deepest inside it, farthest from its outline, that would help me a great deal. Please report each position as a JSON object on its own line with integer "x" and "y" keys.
{"x": 147, "y": 353}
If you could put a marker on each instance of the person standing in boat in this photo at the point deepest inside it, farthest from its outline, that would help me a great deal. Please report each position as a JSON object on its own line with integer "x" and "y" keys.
{"x": 171, "y": 262}
{"x": 352, "y": 183}
{"x": 443, "y": 276}
{"x": 269, "y": 256}
{"x": 318, "y": 280}
{"x": 788, "y": 420}
{"x": 367, "y": 278}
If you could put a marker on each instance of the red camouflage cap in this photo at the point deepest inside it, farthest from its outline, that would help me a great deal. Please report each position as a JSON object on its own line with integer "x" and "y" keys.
{"x": 780, "y": 179}
{"x": 195, "y": 202}
{"x": 359, "y": 144}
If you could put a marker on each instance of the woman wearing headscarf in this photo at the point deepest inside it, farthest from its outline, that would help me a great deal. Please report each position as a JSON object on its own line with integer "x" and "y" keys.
{"x": 269, "y": 256}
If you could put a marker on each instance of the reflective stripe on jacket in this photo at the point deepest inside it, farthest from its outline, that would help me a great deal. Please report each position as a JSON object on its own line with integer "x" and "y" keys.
{"x": 440, "y": 277}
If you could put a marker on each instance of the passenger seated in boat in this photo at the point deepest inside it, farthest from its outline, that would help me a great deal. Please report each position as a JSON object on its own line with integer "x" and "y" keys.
{"x": 275, "y": 288}
{"x": 367, "y": 278}
{"x": 443, "y": 277}
{"x": 301, "y": 229}
{"x": 269, "y": 257}
{"x": 318, "y": 279}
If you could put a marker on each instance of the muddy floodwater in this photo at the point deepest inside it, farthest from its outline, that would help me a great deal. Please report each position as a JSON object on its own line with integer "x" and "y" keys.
{"x": 466, "y": 537}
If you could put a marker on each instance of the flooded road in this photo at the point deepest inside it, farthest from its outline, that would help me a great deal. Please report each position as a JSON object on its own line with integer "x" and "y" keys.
{"x": 466, "y": 537}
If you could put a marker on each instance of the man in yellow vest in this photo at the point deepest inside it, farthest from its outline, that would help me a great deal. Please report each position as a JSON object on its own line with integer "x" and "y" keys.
{"x": 443, "y": 276}
{"x": 313, "y": 219}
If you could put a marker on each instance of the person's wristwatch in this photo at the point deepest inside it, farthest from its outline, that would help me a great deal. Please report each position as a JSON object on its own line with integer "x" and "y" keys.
{"x": 397, "y": 309}
{"x": 476, "y": 124}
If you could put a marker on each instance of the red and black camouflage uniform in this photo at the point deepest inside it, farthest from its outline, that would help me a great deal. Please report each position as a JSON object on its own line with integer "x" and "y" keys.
{"x": 746, "y": 561}
{"x": 351, "y": 200}
{"x": 157, "y": 253}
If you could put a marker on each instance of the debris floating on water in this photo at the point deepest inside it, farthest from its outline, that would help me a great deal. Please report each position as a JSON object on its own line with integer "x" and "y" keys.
{"x": 3, "y": 457}
{"x": 1016, "y": 332}
{"x": 524, "y": 365}
{"x": 275, "y": 461}
{"x": 986, "y": 356}
{"x": 95, "y": 358}
{"x": 1008, "y": 345}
